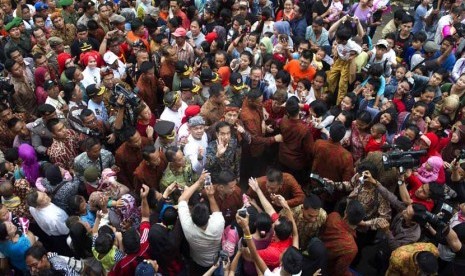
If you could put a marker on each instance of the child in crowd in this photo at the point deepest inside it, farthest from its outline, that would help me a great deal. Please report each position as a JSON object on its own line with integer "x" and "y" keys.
{"x": 377, "y": 138}
{"x": 335, "y": 11}
{"x": 106, "y": 244}
{"x": 429, "y": 171}
{"x": 318, "y": 57}
{"x": 391, "y": 86}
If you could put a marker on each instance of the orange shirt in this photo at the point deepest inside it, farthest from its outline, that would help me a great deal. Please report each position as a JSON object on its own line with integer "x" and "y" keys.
{"x": 293, "y": 67}
{"x": 131, "y": 36}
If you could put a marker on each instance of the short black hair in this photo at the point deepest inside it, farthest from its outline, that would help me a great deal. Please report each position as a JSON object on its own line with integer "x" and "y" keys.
{"x": 337, "y": 131}
{"x": 284, "y": 76}
{"x": 292, "y": 260}
{"x": 312, "y": 201}
{"x": 215, "y": 89}
{"x": 292, "y": 106}
{"x": 366, "y": 165}
{"x": 355, "y": 212}
{"x": 319, "y": 107}
{"x": 343, "y": 33}
{"x": 52, "y": 123}
{"x": 170, "y": 153}
{"x": 225, "y": 177}
{"x": 131, "y": 241}
{"x": 9, "y": 63}
{"x": 283, "y": 230}
{"x": 274, "y": 175}
{"x": 91, "y": 142}
{"x": 200, "y": 214}
{"x": 146, "y": 151}
{"x": 220, "y": 125}
{"x": 12, "y": 122}
{"x": 307, "y": 54}
{"x": 36, "y": 251}
{"x": 427, "y": 262}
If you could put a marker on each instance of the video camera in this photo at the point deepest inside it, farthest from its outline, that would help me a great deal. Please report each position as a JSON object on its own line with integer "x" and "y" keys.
{"x": 131, "y": 98}
{"x": 402, "y": 160}
{"x": 440, "y": 220}
{"x": 323, "y": 185}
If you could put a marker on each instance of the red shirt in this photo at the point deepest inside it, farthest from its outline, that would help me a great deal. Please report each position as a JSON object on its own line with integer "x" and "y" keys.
{"x": 127, "y": 265}
{"x": 415, "y": 184}
{"x": 142, "y": 129}
{"x": 339, "y": 240}
{"x": 373, "y": 145}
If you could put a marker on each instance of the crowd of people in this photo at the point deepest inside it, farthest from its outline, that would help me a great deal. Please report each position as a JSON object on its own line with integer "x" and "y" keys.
{"x": 232, "y": 137}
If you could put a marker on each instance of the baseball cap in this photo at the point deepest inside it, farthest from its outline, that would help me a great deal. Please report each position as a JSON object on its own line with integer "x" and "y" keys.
{"x": 180, "y": 32}
{"x": 40, "y": 6}
{"x": 49, "y": 84}
{"x": 207, "y": 75}
{"x": 431, "y": 47}
{"x": 116, "y": 18}
{"x": 382, "y": 42}
{"x": 188, "y": 84}
{"x": 92, "y": 90}
{"x": 109, "y": 57}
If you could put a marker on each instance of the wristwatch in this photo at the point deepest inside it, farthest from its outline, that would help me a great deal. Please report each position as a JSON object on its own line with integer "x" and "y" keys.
{"x": 400, "y": 182}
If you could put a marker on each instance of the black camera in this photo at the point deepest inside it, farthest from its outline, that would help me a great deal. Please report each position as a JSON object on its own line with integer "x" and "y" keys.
{"x": 461, "y": 155}
{"x": 131, "y": 98}
{"x": 323, "y": 185}
{"x": 222, "y": 256}
{"x": 402, "y": 159}
{"x": 439, "y": 220}
{"x": 242, "y": 212}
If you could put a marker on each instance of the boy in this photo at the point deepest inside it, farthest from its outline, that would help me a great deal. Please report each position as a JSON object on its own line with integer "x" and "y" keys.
{"x": 347, "y": 50}
{"x": 377, "y": 138}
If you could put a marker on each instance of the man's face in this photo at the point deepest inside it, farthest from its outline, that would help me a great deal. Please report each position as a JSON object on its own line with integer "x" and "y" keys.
{"x": 135, "y": 141}
{"x": 42, "y": 61}
{"x": 26, "y": 14}
{"x": 231, "y": 117}
{"x": 90, "y": 122}
{"x": 4, "y": 214}
{"x": 317, "y": 28}
{"x": 224, "y": 134}
{"x": 94, "y": 152}
{"x": 17, "y": 71}
{"x": 6, "y": 115}
{"x": 310, "y": 215}
{"x": 82, "y": 35}
{"x": 220, "y": 98}
{"x": 21, "y": 129}
{"x": 53, "y": 92}
{"x": 304, "y": 63}
{"x": 35, "y": 266}
{"x": 227, "y": 189}
{"x": 155, "y": 159}
{"x": 59, "y": 131}
{"x": 220, "y": 60}
{"x": 380, "y": 51}
{"x": 15, "y": 33}
{"x": 108, "y": 81}
{"x": 174, "y": 6}
{"x": 141, "y": 57}
{"x": 179, "y": 160}
{"x": 39, "y": 22}
{"x": 427, "y": 97}
{"x": 423, "y": 192}
{"x": 104, "y": 12}
{"x": 272, "y": 186}
{"x": 59, "y": 23}
{"x": 40, "y": 37}
{"x": 406, "y": 27}
{"x": 197, "y": 131}
{"x": 403, "y": 88}
{"x": 17, "y": 56}
{"x": 6, "y": 6}
{"x": 256, "y": 76}
{"x": 43, "y": 199}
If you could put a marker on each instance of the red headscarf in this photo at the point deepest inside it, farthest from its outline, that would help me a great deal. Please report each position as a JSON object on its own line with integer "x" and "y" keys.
{"x": 224, "y": 73}
{"x": 39, "y": 75}
{"x": 191, "y": 111}
{"x": 62, "y": 58}
{"x": 84, "y": 58}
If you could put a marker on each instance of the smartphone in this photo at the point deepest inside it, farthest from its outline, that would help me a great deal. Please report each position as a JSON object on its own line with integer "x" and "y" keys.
{"x": 208, "y": 180}
{"x": 242, "y": 212}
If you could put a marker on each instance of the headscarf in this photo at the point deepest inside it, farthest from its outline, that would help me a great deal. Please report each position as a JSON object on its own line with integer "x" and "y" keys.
{"x": 452, "y": 149}
{"x": 86, "y": 55}
{"x": 221, "y": 31}
{"x": 432, "y": 140}
{"x": 30, "y": 165}
{"x": 224, "y": 72}
{"x": 61, "y": 58}
{"x": 427, "y": 176}
{"x": 266, "y": 41}
{"x": 39, "y": 76}
{"x": 129, "y": 211}
{"x": 283, "y": 27}
{"x": 191, "y": 111}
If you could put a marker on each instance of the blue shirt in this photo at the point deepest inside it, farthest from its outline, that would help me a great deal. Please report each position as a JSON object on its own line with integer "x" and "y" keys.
{"x": 449, "y": 63}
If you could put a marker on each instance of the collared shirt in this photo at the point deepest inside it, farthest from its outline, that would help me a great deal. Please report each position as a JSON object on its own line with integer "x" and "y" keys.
{"x": 99, "y": 110}
{"x": 306, "y": 229}
{"x": 63, "y": 152}
{"x": 51, "y": 219}
{"x": 70, "y": 18}
{"x": 68, "y": 34}
{"x": 191, "y": 151}
{"x": 320, "y": 41}
{"x": 339, "y": 240}
{"x": 82, "y": 162}
{"x": 186, "y": 53}
{"x": 212, "y": 112}
{"x": 185, "y": 177}
{"x": 84, "y": 19}
{"x": 402, "y": 260}
{"x": 58, "y": 103}
{"x": 230, "y": 160}
{"x": 24, "y": 44}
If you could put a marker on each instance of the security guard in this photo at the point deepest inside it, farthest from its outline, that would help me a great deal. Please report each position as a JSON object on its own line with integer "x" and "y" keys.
{"x": 41, "y": 136}
{"x": 166, "y": 135}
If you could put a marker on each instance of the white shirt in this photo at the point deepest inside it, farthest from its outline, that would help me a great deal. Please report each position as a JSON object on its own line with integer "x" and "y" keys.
{"x": 91, "y": 76}
{"x": 51, "y": 219}
{"x": 191, "y": 151}
{"x": 58, "y": 104}
{"x": 443, "y": 21}
{"x": 344, "y": 50}
{"x": 174, "y": 116}
{"x": 204, "y": 244}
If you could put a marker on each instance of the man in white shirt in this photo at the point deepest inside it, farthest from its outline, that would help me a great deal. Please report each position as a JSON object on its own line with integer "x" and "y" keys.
{"x": 202, "y": 230}
{"x": 197, "y": 143}
{"x": 48, "y": 216}
{"x": 54, "y": 99}
{"x": 454, "y": 17}
{"x": 95, "y": 103}
{"x": 174, "y": 108}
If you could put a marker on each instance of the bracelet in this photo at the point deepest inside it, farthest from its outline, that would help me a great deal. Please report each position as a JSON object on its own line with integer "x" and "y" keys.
{"x": 247, "y": 237}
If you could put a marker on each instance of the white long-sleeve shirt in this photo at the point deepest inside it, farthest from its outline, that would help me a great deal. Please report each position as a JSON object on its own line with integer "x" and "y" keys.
{"x": 191, "y": 151}
{"x": 51, "y": 219}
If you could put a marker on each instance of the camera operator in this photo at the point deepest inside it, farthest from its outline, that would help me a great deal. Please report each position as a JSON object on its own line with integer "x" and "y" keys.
{"x": 403, "y": 228}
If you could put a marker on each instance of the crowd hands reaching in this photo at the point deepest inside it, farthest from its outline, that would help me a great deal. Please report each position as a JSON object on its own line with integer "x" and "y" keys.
{"x": 267, "y": 137}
